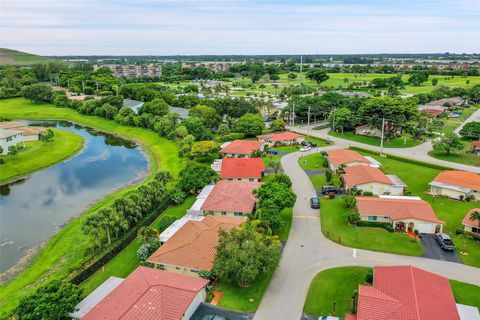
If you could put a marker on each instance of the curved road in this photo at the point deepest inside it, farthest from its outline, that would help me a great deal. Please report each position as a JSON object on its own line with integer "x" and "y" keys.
{"x": 308, "y": 252}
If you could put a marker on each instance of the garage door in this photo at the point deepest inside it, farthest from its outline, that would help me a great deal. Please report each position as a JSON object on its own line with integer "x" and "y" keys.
{"x": 424, "y": 228}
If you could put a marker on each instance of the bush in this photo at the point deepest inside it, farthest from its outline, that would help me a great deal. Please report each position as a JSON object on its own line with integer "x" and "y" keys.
{"x": 368, "y": 193}
{"x": 146, "y": 249}
{"x": 370, "y": 224}
{"x": 328, "y": 175}
{"x": 230, "y": 136}
{"x": 369, "y": 277}
{"x": 164, "y": 223}
{"x": 350, "y": 202}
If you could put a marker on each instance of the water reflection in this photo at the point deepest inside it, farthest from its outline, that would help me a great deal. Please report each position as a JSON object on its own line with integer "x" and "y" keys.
{"x": 33, "y": 208}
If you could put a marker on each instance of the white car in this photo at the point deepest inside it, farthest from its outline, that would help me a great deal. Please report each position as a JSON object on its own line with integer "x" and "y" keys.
{"x": 305, "y": 149}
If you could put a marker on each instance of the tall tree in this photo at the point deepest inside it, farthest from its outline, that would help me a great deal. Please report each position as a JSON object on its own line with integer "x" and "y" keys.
{"x": 449, "y": 142}
{"x": 318, "y": 75}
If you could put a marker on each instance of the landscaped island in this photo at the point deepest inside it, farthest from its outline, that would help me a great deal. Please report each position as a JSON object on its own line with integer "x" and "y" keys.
{"x": 66, "y": 250}
{"x": 38, "y": 154}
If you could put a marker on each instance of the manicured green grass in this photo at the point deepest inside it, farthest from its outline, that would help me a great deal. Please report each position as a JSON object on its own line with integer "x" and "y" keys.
{"x": 312, "y": 162}
{"x": 464, "y": 156}
{"x": 398, "y": 142}
{"x": 334, "y": 286}
{"x": 19, "y": 58}
{"x": 338, "y": 284}
{"x": 65, "y": 251}
{"x": 287, "y": 149}
{"x": 126, "y": 261}
{"x": 318, "y": 141}
{"x": 242, "y": 299}
{"x": 287, "y": 218}
{"x": 451, "y": 211}
{"x": 37, "y": 155}
{"x": 334, "y": 225}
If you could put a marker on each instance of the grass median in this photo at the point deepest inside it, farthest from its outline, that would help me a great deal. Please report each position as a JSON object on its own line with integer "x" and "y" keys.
{"x": 38, "y": 155}
{"x": 64, "y": 251}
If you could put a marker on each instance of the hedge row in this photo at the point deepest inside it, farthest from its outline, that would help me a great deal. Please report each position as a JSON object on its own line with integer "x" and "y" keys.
{"x": 230, "y": 136}
{"x": 129, "y": 237}
{"x": 408, "y": 160}
{"x": 383, "y": 225}
{"x": 462, "y": 231}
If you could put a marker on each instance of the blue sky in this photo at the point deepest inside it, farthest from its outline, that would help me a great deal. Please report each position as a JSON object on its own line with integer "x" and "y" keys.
{"x": 168, "y": 27}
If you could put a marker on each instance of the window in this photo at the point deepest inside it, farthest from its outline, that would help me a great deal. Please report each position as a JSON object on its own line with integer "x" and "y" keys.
{"x": 224, "y": 213}
{"x": 230, "y": 179}
{"x": 161, "y": 266}
{"x": 475, "y": 230}
{"x": 178, "y": 268}
{"x": 194, "y": 271}
{"x": 238, "y": 214}
{"x": 372, "y": 218}
{"x": 251, "y": 179}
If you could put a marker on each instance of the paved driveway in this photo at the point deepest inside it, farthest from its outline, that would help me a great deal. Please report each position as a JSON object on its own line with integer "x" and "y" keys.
{"x": 433, "y": 250}
{"x": 208, "y": 309}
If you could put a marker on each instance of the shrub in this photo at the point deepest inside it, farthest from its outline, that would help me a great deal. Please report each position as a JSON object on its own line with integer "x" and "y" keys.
{"x": 350, "y": 202}
{"x": 368, "y": 193}
{"x": 354, "y": 218}
{"x": 164, "y": 223}
{"x": 369, "y": 277}
{"x": 328, "y": 175}
{"x": 178, "y": 197}
{"x": 146, "y": 250}
{"x": 230, "y": 136}
{"x": 383, "y": 225}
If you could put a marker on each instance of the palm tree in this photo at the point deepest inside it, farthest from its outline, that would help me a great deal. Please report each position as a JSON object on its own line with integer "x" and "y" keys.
{"x": 475, "y": 216}
{"x": 163, "y": 177}
{"x": 464, "y": 236}
{"x": 147, "y": 233}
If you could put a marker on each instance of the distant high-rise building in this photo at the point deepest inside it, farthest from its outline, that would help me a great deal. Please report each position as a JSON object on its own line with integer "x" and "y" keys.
{"x": 133, "y": 71}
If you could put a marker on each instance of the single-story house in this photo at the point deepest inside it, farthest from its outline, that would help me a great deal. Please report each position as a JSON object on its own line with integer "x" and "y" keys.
{"x": 133, "y": 104}
{"x": 31, "y": 133}
{"x": 8, "y": 138}
{"x": 456, "y": 185}
{"x": 231, "y": 198}
{"x": 373, "y": 180}
{"x": 365, "y": 130}
{"x": 406, "y": 292}
{"x": 12, "y": 124}
{"x": 475, "y": 147}
{"x": 177, "y": 225}
{"x": 241, "y": 148}
{"x": 405, "y": 214}
{"x": 347, "y": 158}
{"x": 242, "y": 169}
{"x": 145, "y": 294}
{"x": 451, "y": 102}
{"x": 200, "y": 200}
{"x": 192, "y": 248}
{"x": 432, "y": 110}
{"x": 281, "y": 138}
{"x": 470, "y": 225}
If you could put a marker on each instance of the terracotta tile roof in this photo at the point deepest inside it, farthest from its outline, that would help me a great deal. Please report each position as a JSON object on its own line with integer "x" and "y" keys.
{"x": 243, "y": 147}
{"x": 242, "y": 168}
{"x": 406, "y": 292}
{"x": 281, "y": 136}
{"x": 464, "y": 179}
{"x": 476, "y": 144}
{"x": 433, "y": 112}
{"x": 193, "y": 245}
{"x": 11, "y": 124}
{"x": 148, "y": 294}
{"x": 231, "y": 196}
{"x": 357, "y": 175}
{"x": 343, "y": 156}
{"x": 468, "y": 222}
{"x": 397, "y": 208}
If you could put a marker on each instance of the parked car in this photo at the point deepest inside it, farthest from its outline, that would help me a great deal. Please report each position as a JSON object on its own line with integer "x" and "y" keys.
{"x": 271, "y": 151}
{"x": 444, "y": 241}
{"x": 314, "y": 203}
{"x": 327, "y": 189}
{"x": 312, "y": 144}
{"x": 305, "y": 149}
{"x": 213, "y": 317}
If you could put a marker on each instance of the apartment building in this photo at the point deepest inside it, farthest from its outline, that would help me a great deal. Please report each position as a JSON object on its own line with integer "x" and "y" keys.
{"x": 151, "y": 70}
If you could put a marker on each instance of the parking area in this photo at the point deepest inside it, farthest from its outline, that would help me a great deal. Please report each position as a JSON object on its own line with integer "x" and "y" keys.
{"x": 206, "y": 309}
{"x": 433, "y": 250}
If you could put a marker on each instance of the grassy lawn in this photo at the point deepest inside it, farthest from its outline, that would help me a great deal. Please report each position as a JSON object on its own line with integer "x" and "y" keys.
{"x": 334, "y": 225}
{"x": 287, "y": 149}
{"x": 65, "y": 251}
{"x": 285, "y": 231}
{"x": 37, "y": 155}
{"x": 338, "y": 284}
{"x": 126, "y": 261}
{"x": 451, "y": 211}
{"x": 398, "y": 142}
{"x": 464, "y": 157}
{"x": 312, "y": 162}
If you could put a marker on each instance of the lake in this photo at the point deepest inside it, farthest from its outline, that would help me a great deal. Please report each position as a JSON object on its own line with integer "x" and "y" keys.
{"x": 34, "y": 208}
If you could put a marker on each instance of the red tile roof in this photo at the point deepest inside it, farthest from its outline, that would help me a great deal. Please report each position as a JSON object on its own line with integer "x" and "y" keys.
{"x": 343, "y": 156}
{"x": 357, "y": 175}
{"x": 464, "y": 179}
{"x": 406, "y": 292}
{"x": 231, "y": 196}
{"x": 397, "y": 208}
{"x": 243, "y": 147}
{"x": 242, "y": 168}
{"x": 194, "y": 245}
{"x": 433, "y": 112}
{"x": 281, "y": 136}
{"x": 148, "y": 294}
{"x": 476, "y": 144}
{"x": 468, "y": 222}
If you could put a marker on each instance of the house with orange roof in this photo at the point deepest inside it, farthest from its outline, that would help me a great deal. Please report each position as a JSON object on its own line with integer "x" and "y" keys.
{"x": 472, "y": 226}
{"x": 241, "y": 148}
{"x": 475, "y": 147}
{"x": 406, "y": 292}
{"x": 231, "y": 198}
{"x": 346, "y": 158}
{"x": 145, "y": 294}
{"x": 457, "y": 185}
{"x": 372, "y": 180}
{"x": 405, "y": 214}
{"x": 192, "y": 248}
{"x": 286, "y": 138}
{"x": 242, "y": 169}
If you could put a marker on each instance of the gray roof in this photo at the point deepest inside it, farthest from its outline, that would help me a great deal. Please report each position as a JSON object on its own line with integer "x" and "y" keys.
{"x": 5, "y": 133}
{"x": 182, "y": 112}
{"x": 95, "y": 297}
{"x": 133, "y": 104}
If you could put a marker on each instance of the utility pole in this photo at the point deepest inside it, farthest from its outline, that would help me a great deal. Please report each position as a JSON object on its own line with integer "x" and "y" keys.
{"x": 83, "y": 87}
{"x": 381, "y": 140}
{"x": 301, "y": 76}
{"x": 308, "y": 122}
{"x": 333, "y": 124}
{"x": 96, "y": 83}
{"x": 293, "y": 116}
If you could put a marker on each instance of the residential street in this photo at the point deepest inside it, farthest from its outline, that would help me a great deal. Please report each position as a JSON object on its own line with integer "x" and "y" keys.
{"x": 308, "y": 252}
{"x": 473, "y": 117}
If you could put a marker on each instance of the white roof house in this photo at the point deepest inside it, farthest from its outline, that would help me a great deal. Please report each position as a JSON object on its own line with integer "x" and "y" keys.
{"x": 95, "y": 297}
{"x": 202, "y": 196}
{"x": 9, "y": 137}
{"x": 133, "y": 104}
{"x": 174, "y": 227}
{"x": 468, "y": 312}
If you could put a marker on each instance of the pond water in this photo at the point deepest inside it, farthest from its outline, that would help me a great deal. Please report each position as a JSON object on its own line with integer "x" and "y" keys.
{"x": 34, "y": 208}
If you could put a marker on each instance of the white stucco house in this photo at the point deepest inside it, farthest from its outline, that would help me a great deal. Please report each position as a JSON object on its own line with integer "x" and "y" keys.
{"x": 10, "y": 137}
{"x": 456, "y": 185}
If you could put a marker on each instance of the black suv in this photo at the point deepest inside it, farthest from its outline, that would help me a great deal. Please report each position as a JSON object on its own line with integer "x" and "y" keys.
{"x": 314, "y": 203}
{"x": 327, "y": 189}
